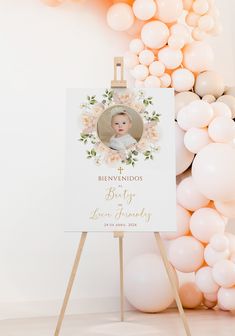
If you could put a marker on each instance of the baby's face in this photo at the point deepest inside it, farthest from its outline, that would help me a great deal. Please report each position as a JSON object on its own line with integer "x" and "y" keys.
{"x": 121, "y": 124}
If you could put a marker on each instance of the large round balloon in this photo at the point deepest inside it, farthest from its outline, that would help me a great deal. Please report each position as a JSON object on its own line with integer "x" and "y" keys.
{"x": 120, "y": 17}
{"x": 186, "y": 254}
{"x": 147, "y": 286}
{"x": 213, "y": 172}
{"x": 155, "y": 34}
{"x": 209, "y": 83}
{"x": 169, "y": 10}
{"x": 198, "y": 56}
{"x": 183, "y": 157}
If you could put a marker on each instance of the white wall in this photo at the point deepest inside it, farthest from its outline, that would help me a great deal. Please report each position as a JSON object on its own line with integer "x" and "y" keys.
{"x": 43, "y": 52}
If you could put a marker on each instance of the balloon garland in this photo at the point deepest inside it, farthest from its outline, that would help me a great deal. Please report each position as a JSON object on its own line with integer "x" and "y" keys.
{"x": 167, "y": 49}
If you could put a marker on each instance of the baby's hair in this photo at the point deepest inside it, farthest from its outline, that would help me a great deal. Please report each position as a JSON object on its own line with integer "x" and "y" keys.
{"x": 123, "y": 113}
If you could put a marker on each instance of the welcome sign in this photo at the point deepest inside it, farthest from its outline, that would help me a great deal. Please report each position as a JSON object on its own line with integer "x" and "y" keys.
{"x": 120, "y": 160}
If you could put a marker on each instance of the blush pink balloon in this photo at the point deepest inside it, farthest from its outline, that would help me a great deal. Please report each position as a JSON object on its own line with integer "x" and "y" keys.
{"x": 209, "y": 304}
{"x": 157, "y": 68}
{"x": 179, "y": 29}
{"x": 190, "y": 295}
{"x": 188, "y": 195}
{"x": 212, "y": 297}
{"x": 140, "y": 72}
{"x": 182, "y": 80}
{"x": 147, "y": 286}
{"x": 200, "y": 7}
{"x": 231, "y": 238}
{"x": 146, "y": 57}
{"x": 221, "y": 110}
{"x": 155, "y": 34}
{"x": 213, "y": 172}
{"x": 182, "y": 224}
{"x": 222, "y": 129}
{"x": 196, "y": 138}
{"x": 186, "y": 254}
{"x": 198, "y": 113}
{"x": 120, "y": 17}
{"x": 170, "y": 58}
{"x": 205, "y": 281}
{"x": 169, "y": 10}
{"x": 219, "y": 242}
{"x": 130, "y": 60}
{"x": 227, "y": 209}
{"x": 198, "y": 56}
{"x": 136, "y": 46}
{"x": 226, "y": 298}
{"x": 183, "y": 99}
{"x": 212, "y": 257}
{"x": 144, "y": 9}
{"x": 165, "y": 80}
{"x": 176, "y": 42}
{"x": 183, "y": 157}
{"x": 139, "y": 83}
{"x": 152, "y": 82}
{"x": 223, "y": 273}
{"x": 205, "y": 222}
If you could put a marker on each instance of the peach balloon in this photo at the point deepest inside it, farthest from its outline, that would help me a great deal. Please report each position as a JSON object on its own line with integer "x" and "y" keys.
{"x": 189, "y": 197}
{"x": 227, "y": 209}
{"x": 155, "y": 34}
{"x": 198, "y": 56}
{"x": 209, "y": 98}
{"x": 190, "y": 295}
{"x": 182, "y": 224}
{"x": 223, "y": 273}
{"x": 147, "y": 286}
{"x": 183, "y": 157}
{"x": 205, "y": 281}
{"x": 152, "y": 82}
{"x": 226, "y": 298}
{"x": 136, "y": 46}
{"x": 198, "y": 34}
{"x": 140, "y": 72}
{"x": 120, "y": 17}
{"x": 213, "y": 172}
{"x": 197, "y": 114}
{"x": 212, "y": 257}
{"x": 196, "y": 138}
{"x": 192, "y": 19}
{"x": 165, "y": 80}
{"x": 169, "y": 10}
{"x": 200, "y": 7}
{"x": 179, "y": 29}
{"x": 209, "y": 82}
{"x": 222, "y": 129}
{"x": 229, "y": 101}
{"x": 170, "y": 58}
{"x": 186, "y": 254}
{"x": 219, "y": 242}
{"x": 144, "y": 9}
{"x": 206, "y": 22}
{"x": 209, "y": 304}
{"x": 176, "y": 42}
{"x": 157, "y": 68}
{"x": 146, "y": 57}
{"x": 187, "y": 4}
{"x": 212, "y": 297}
{"x": 182, "y": 80}
{"x": 130, "y": 60}
{"x": 183, "y": 99}
{"x": 205, "y": 222}
{"x": 221, "y": 110}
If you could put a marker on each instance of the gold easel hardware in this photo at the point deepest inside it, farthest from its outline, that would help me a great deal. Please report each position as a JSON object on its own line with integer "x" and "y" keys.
{"x": 118, "y": 83}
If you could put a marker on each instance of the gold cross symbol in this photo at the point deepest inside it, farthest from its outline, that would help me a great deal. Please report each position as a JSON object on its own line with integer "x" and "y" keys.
{"x": 120, "y": 169}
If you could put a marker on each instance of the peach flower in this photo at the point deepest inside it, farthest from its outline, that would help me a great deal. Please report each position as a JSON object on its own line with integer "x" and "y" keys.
{"x": 138, "y": 107}
{"x": 113, "y": 158}
{"x": 87, "y": 120}
{"x": 97, "y": 109}
{"x": 121, "y": 97}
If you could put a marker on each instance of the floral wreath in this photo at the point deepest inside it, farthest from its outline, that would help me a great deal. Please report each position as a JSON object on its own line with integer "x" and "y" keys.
{"x": 145, "y": 147}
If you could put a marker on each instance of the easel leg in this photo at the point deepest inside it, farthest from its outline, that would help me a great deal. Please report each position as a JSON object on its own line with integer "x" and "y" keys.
{"x": 173, "y": 282}
{"x": 70, "y": 283}
{"x": 120, "y": 235}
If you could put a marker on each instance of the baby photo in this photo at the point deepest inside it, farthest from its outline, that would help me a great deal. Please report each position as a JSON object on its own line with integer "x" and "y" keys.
{"x": 120, "y": 127}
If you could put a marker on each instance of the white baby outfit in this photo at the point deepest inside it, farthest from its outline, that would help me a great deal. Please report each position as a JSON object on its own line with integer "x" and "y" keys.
{"x": 122, "y": 142}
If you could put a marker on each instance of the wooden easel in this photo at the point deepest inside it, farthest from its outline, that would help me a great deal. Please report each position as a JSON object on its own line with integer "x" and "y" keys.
{"x": 121, "y": 83}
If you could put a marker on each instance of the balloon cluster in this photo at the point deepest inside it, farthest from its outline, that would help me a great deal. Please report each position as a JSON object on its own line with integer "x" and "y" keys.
{"x": 168, "y": 48}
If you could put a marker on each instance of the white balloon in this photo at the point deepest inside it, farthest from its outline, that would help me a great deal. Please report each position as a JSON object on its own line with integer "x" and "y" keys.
{"x": 212, "y": 257}
{"x": 182, "y": 80}
{"x": 221, "y": 110}
{"x": 205, "y": 281}
{"x": 222, "y": 129}
{"x": 182, "y": 99}
{"x": 170, "y": 58}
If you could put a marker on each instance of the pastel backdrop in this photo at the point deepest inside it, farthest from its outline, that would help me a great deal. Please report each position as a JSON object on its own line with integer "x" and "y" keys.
{"x": 44, "y": 51}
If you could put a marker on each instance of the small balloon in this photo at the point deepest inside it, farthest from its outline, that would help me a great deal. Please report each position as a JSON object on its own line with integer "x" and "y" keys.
{"x": 182, "y": 80}
{"x": 170, "y": 58}
{"x": 190, "y": 295}
{"x": 222, "y": 129}
{"x": 223, "y": 273}
{"x": 120, "y": 17}
{"x": 169, "y": 10}
{"x": 157, "y": 68}
{"x": 144, "y": 9}
{"x": 229, "y": 101}
{"x": 212, "y": 257}
{"x": 226, "y": 298}
{"x": 219, "y": 242}
{"x": 200, "y": 7}
{"x": 221, "y": 110}
{"x": 183, "y": 99}
{"x": 136, "y": 46}
{"x": 152, "y": 82}
{"x": 165, "y": 80}
{"x": 227, "y": 209}
{"x": 196, "y": 138}
{"x": 155, "y": 34}
{"x": 183, "y": 157}
{"x": 130, "y": 60}
{"x": 146, "y": 57}
{"x": 140, "y": 72}
{"x": 205, "y": 281}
